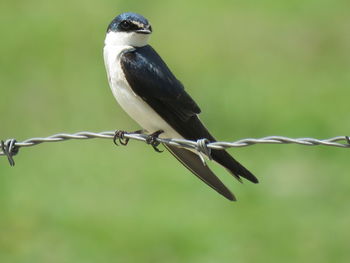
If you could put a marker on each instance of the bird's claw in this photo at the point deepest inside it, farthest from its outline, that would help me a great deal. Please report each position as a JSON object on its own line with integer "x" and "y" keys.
{"x": 152, "y": 140}
{"x": 121, "y": 138}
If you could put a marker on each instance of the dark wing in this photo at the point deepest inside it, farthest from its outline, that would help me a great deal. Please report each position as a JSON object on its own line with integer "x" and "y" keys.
{"x": 151, "y": 79}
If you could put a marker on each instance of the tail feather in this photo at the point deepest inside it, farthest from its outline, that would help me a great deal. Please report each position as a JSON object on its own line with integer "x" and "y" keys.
{"x": 234, "y": 167}
{"x": 194, "y": 130}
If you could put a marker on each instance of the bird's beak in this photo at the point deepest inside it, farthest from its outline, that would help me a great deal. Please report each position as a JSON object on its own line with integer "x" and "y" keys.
{"x": 145, "y": 30}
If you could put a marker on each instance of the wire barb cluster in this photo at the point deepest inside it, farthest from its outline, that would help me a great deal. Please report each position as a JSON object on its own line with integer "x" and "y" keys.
{"x": 203, "y": 146}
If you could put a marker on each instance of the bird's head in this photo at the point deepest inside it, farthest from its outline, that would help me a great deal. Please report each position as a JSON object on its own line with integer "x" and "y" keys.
{"x": 128, "y": 29}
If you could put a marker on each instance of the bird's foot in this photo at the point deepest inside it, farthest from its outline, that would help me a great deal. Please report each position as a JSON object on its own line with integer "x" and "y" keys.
{"x": 152, "y": 140}
{"x": 120, "y": 135}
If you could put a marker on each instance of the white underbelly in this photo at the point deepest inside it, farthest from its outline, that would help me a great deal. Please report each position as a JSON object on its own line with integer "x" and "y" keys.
{"x": 139, "y": 110}
{"x": 132, "y": 104}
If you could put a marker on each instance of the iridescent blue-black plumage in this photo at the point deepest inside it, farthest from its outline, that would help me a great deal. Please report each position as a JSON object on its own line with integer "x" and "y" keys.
{"x": 152, "y": 80}
{"x": 127, "y": 22}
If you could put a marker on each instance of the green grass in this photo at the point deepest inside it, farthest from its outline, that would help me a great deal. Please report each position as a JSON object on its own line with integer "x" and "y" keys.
{"x": 256, "y": 68}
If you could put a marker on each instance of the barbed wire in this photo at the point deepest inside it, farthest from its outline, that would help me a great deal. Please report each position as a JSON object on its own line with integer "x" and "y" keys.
{"x": 11, "y": 147}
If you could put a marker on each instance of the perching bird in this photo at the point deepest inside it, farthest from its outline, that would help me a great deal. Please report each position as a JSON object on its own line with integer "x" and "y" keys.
{"x": 148, "y": 91}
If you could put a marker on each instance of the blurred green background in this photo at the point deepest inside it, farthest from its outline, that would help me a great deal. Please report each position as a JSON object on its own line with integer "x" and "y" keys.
{"x": 256, "y": 68}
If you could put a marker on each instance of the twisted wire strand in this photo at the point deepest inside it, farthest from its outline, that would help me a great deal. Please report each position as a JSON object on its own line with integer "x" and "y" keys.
{"x": 10, "y": 147}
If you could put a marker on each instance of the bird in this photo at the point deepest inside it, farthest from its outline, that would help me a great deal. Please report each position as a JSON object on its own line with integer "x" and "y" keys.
{"x": 151, "y": 95}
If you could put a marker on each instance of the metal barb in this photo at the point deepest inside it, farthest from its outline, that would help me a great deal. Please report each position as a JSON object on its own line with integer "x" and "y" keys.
{"x": 347, "y": 138}
{"x": 9, "y": 149}
{"x": 202, "y": 146}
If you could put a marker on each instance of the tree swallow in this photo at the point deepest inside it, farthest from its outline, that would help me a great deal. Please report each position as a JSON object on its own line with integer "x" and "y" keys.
{"x": 148, "y": 91}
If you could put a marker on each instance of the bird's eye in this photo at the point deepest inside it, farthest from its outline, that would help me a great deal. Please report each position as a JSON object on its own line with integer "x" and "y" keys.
{"x": 125, "y": 24}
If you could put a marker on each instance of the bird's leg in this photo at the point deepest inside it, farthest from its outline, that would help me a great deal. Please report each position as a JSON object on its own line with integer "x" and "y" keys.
{"x": 152, "y": 140}
{"x": 119, "y": 134}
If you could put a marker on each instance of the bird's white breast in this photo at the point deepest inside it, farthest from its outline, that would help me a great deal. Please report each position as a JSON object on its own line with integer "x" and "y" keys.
{"x": 132, "y": 104}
